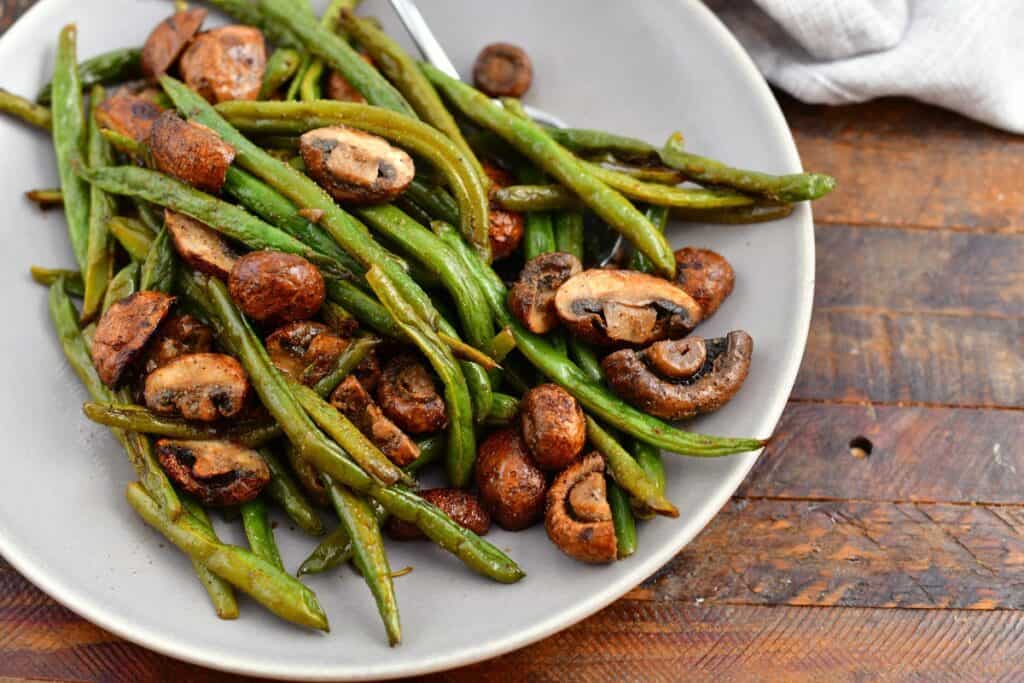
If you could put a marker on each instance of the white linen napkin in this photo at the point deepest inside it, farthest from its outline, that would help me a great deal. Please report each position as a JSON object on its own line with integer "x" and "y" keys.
{"x": 965, "y": 55}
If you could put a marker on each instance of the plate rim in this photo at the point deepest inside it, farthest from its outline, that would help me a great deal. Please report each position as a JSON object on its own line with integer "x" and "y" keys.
{"x": 122, "y": 627}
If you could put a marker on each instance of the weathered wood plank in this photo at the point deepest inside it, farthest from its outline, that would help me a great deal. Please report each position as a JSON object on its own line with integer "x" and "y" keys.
{"x": 900, "y": 163}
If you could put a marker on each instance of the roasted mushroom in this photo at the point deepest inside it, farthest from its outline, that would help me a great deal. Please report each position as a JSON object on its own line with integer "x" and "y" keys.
{"x": 503, "y": 70}
{"x": 177, "y": 336}
{"x": 226, "y": 63}
{"x": 358, "y": 406}
{"x": 214, "y": 472}
{"x": 578, "y": 518}
{"x": 200, "y": 246}
{"x": 190, "y": 151}
{"x": 624, "y": 307}
{"x": 198, "y": 386}
{"x": 553, "y": 425}
{"x": 129, "y": 114}
{"x": 705, "y": 275}
{"x": 168, "y": 39}
{"x": 511, "y": 485}
{"x": 681, "y": 378}
{"x": 354, "y": 166}
{"x": 505, "y": 228}
{"x": 122, "y": 332}
{"x": 463, "y": 507}
{"x": 407, "y": 395}
{"x": 337, "y": 87}
{"x": 532, "y": 297}
{"x": 307, "y": 351}
{"x": 276, "y": 288}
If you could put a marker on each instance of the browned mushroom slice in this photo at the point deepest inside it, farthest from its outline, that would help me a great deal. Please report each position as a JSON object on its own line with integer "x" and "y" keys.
{"x": 276, "y": 288}
{"x": 705, "y": 275}
{"x": 287, "y": 346}
{"x": 199, "y": 246}
{"x": 666, "y": 381}
{"x": 503, "y": 70}
{"x": 215, "y": 472}
{"x": 407, "y": 395}
{"x": 122, "y": 332}
{"x": 554, "y": 428}
{"x": 463, "y": 507}
{"x": 532, "y": 297}
{"x": 226, "y": 63}
{"x": 511, "y": 485}
{"x": 198, "y": 386}
{"x": 129, "y": 114}
{"x": 354, "y": 403}
{"x": 338, "y": 87}
{"x": 578, "y": 518}
{"x": 620, "y": 307}
{"x": 168, "y": 39}
{"x": 354, "y": 166}
{"x": 505, "y": 228}
{"x": 177, "y": 336}
{"x": 190, "y": 151}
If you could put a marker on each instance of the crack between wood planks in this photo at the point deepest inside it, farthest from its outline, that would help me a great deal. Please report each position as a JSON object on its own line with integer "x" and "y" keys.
{"x": 875, "y": 501}
{"x": 917, "y": 227}
{"x": 867, "y": 403}
{"x": 959, "y": 313}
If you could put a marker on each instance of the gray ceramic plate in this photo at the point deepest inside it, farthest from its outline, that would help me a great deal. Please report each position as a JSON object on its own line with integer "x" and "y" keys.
{"x": 641, "y": 68}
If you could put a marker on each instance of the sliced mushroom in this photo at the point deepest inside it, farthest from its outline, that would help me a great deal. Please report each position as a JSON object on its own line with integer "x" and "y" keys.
{"x": 358, "y": 406}
{"x": 503, "y": 70}
{"x": 578, "y": 518}
{"x": 287, "y": 346}
{"x": 226, "y": 63}
{"x": 129, "y": 114}
{"x": 705, "y": 275}
{"x": 122, "y": 332}
{"x": 532, "y": 297}
{"x": 407, "y": 395}
{"x": 198, "y": 386}
{"x": 664, "y": 380}
{"x": 505, "y": 228}
{"x": 275, "y": 288}
{"x": 190, "y": 151}
{"x": 619, "y": 307}
{"x": 178, "y": 335}
{"x": 553, "y": 426}
{"x": 338, "y": 87}
{"x": 200, "y": 246}
{"x": 307, "y": 351}
{"x": 511, "y": 486}
{"x": 215, "y": 472}
{"x": 168, "y": 40}
{"x": 354, "y": 166}
{"x": 463, "y": 507}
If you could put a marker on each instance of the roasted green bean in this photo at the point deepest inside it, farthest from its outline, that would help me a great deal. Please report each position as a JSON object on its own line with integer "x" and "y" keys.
{"x": 281, "y": 66}
{"x": 73, "y": 284}
{"x": 158, "y": 270}
{"x": 658, "y": 216}
{"x": 627, "y": 472}
{"x": 284, "y": 491}
{"x": 256, "y": 522}
{"x": 116, "y": 66}
{"x": 138, "y": 419}
{"x": 98, "y": 259}
{"x": 222, "y": 595}
{"x": 332, "y": 552}
{"x": 20, "y": 108}
{"x": 133, "y": 235}
{"x": 622, "y": 518}
{"x": 354, "y": 354}
{"x": 46, "y": 198}
{"x": 69, "y": 135}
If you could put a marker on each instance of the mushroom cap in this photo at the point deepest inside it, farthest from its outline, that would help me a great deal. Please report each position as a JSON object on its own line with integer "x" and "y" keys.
{"x": 129, "y": 114}
{"x": 226, "y": 63}
{"x": 511, "y": 485}
{"x": 578, "y": 518}
{"x": 287, "y": 345}
{"x": 353, "y": 401}
{"x": 503, "y": 70}
{"x": 123, "y": 331}
{"x": 215, "y": 472}
{"x": 624, "y": 307}
{"x": 532, "y": 298}
{"x": 705, "y": 275}
{"x": 553, "y": 425}
{"x": 275, "y": 288}
{"x": 190, "y": 152}
{"x": 200, "y": 246}
{"x": 407, "y": 395}
{"x": 505, "y": 228}
{"x": 461, "y": 506}
{"x": 167, "y": 40}
{"x": 198, "y": 386}
{"x": 355, "y": 166}
{"x": 632, "y": 375}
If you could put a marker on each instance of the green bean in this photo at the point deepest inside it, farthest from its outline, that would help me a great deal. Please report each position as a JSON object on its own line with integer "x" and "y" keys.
{"x": 434, "y": 200}
{"x": 481, "y": 394}
{"x": 503, "y": 344}
{"x": 345, "y": 434}
{"x": 256, "y": 522}
{"x": 365, "y": 308}
{"x": 658, "y": 216}
{"x": 137, "y": 447}
{"x": 622, "y": 519}
{"x": 222, "y": 595}
{"x": 161, "y": 262}
{"x": 757, "y": 213}
{"x": 337, "y": 53}
{"x": 431, "y": 450}
{"x": 334, "y": 551}
{"x": 536, "y": 198}
{"x": 368, "y": 553}
{"x": 116, "y": 66}
{"x": 794, "y": 187}
{"x": 309, "y": 90}
{"x": 99, "y": 261}
{"x": 539, "y": 231}
{"x": 281, "y": 66}
{"x": 461, "y": 439}
{"x": 122, "y": 285}
{"x": 73, "y": 284}
{"x": 531, "y": 141}
{"x": 138, "y": 419}
{"x": 46, "y": 198}
{"x": 569, "y": 233}
{"x": 503, "y": 409}
{"x": 132, "y": 234}
{"x": 585, "y": 357}
{"x": 69, "y": 133}
{"x": 664, "y": 195}
{"x": 627, "y": 472}
{"x": 459, "y": 172}
{"x": 128, "y": 145}
{"x": 662, "y": 175}
{"x": 284, "y": 491}
{"x": 280, "y": 593}
{"x": 20, "y": 108}
{"x": 591, "y": 142}
{"x": 295, "y": 87}
{"x": 354, "y": 354}
{"x": 649, "y": 459}
{"x": 149, "y": 215}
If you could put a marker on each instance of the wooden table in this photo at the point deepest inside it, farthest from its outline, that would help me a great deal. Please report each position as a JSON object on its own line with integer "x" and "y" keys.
{"x": 907, "y": 564}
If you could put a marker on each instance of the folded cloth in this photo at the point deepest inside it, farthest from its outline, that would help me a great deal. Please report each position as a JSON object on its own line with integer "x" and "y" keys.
{"x": 965, "y": 55}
